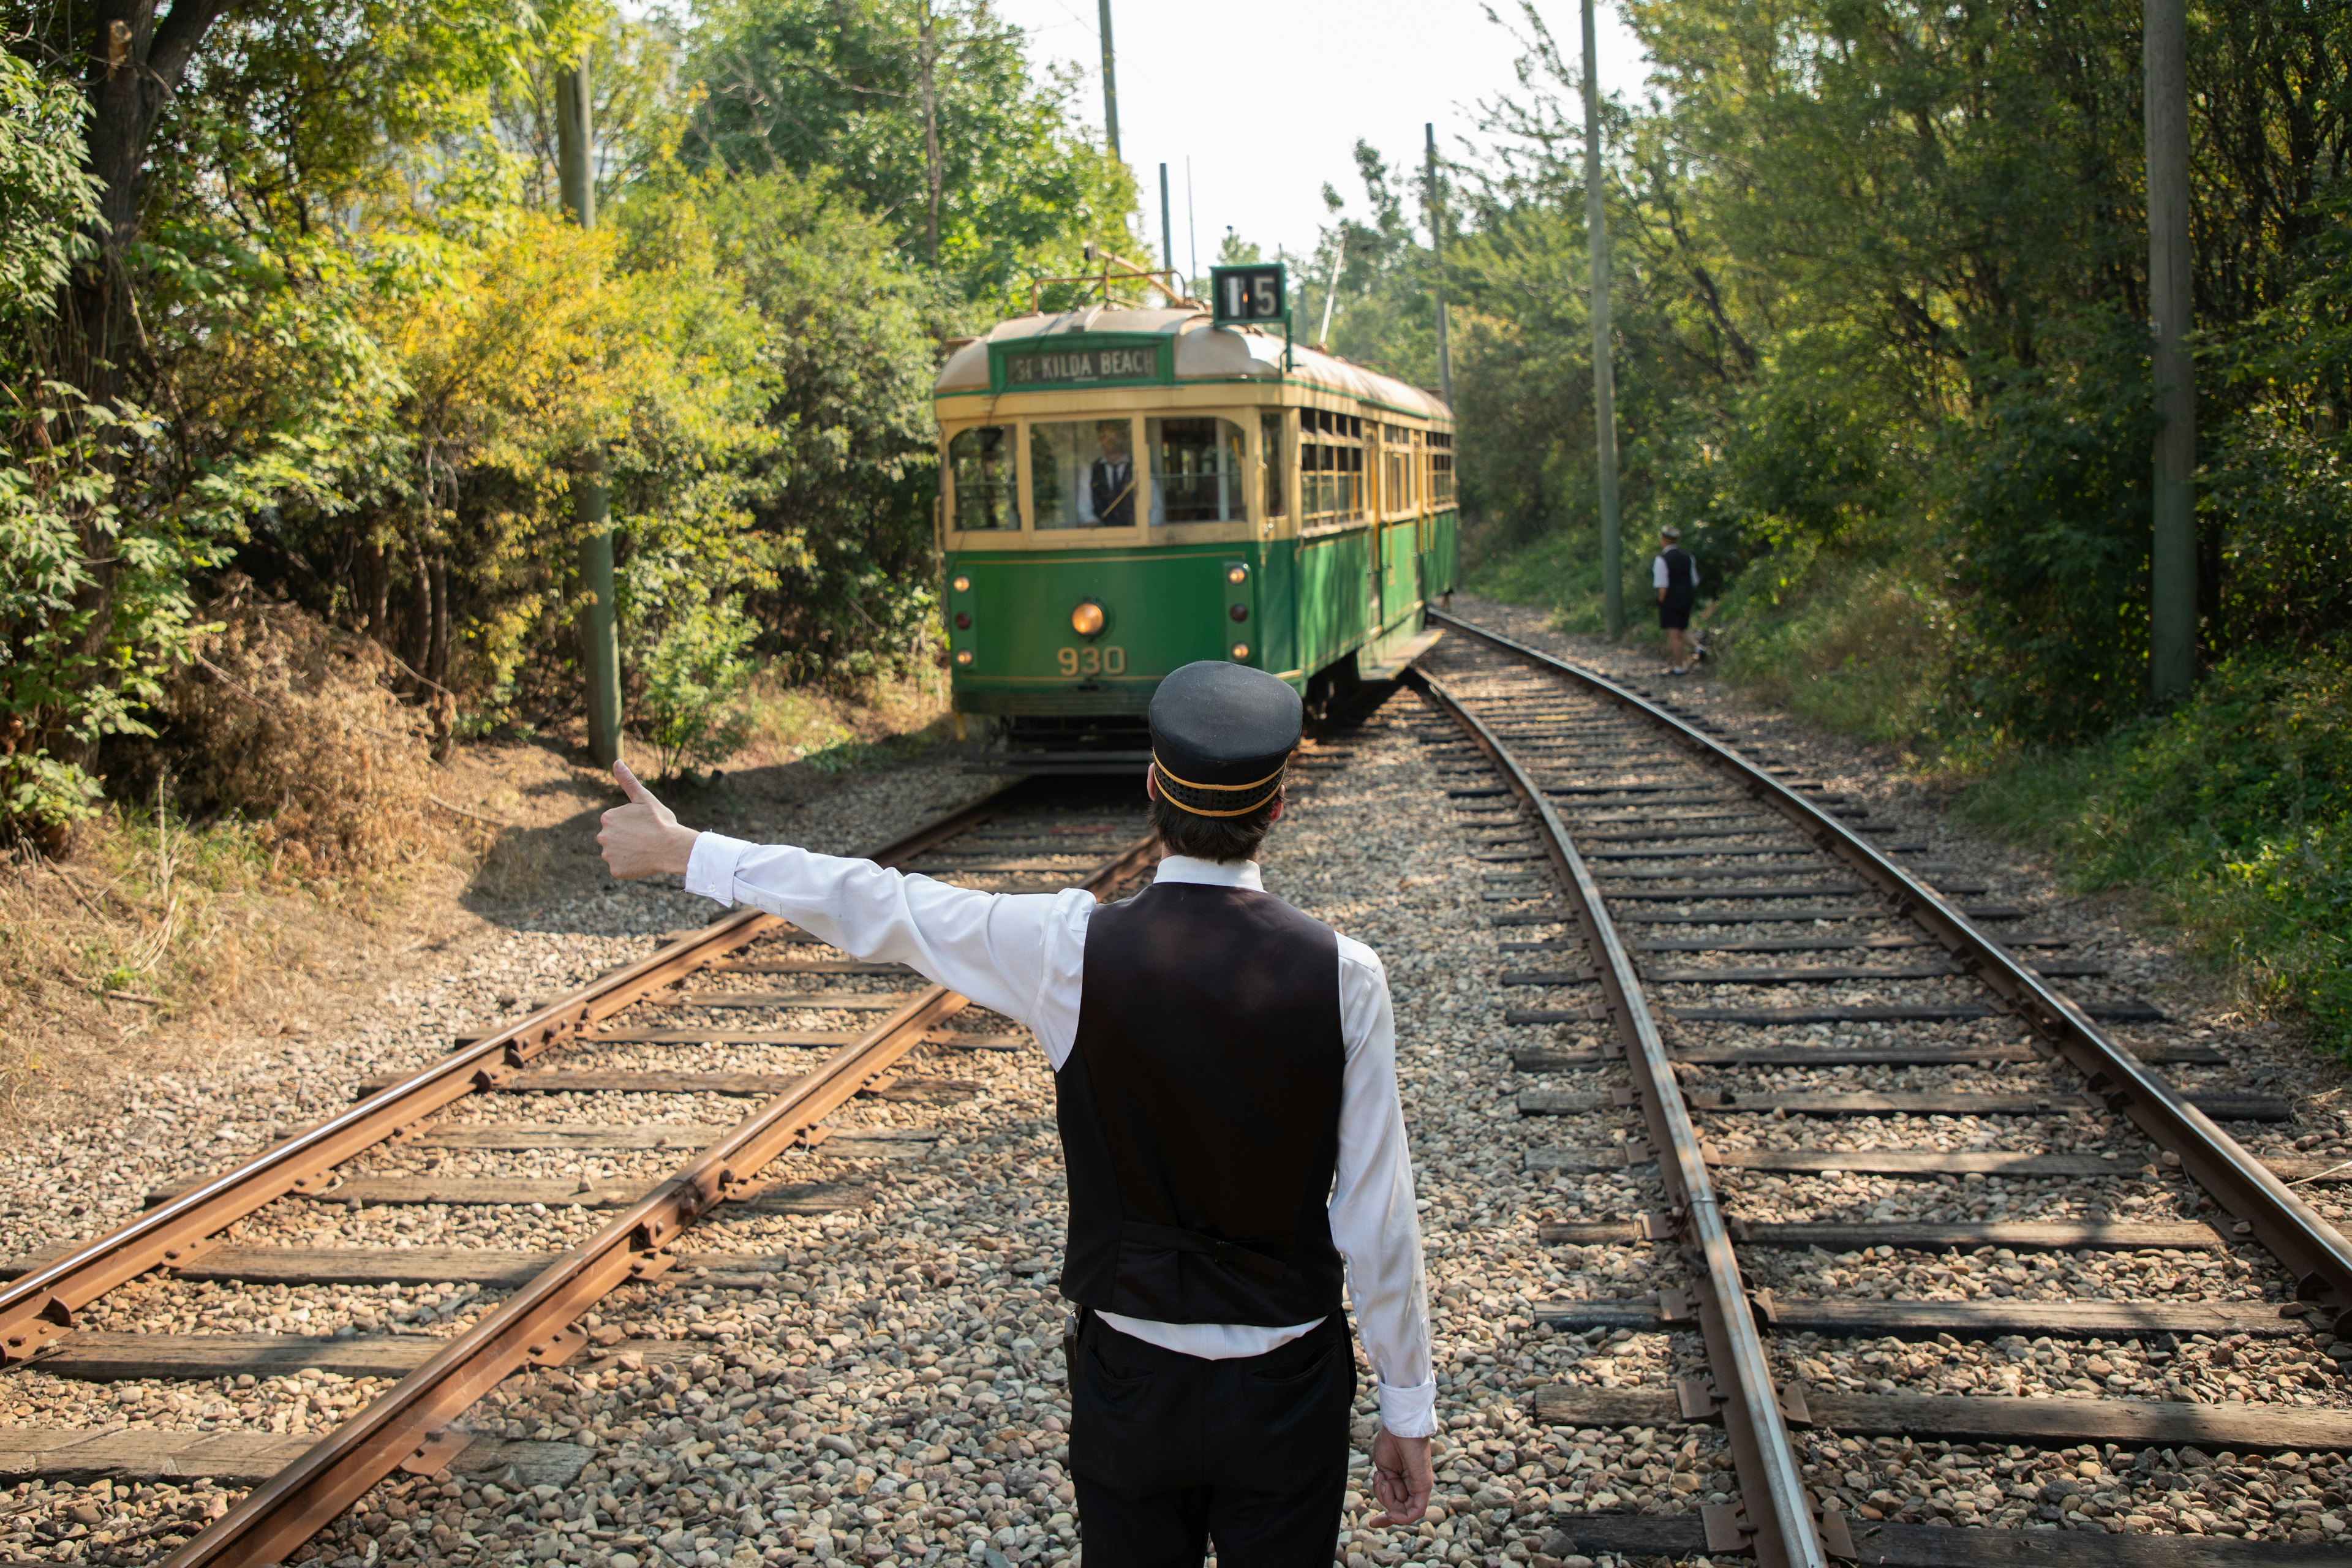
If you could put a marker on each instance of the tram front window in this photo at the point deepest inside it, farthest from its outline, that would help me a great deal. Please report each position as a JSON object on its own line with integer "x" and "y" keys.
{"x": 1196, "y": 470}
{"x": 980, "y": 462}
{"x": 1082, "y": 474}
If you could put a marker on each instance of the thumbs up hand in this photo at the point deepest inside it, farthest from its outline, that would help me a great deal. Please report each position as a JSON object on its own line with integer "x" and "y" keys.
{"x": 643, "y": 837}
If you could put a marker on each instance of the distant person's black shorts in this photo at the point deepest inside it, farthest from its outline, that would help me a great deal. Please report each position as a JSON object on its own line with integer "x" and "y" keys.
{"x": 1674, "y": 613}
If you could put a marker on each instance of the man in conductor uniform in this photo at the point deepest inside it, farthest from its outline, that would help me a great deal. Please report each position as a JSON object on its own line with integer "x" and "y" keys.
{"x": 1225, "y": 1076}
{"x": 1111, "y": 478}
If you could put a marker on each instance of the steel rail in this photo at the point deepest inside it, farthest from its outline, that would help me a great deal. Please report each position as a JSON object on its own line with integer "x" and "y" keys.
{"x": 1781, "y": 1512}
{"x": 39, "y": 1307}
{"x": 408, "y": 1425}
{"x": 2290, "y": 1229}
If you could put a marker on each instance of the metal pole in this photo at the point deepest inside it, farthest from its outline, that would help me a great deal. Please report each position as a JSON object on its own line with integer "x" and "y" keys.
{"x": 600, "y": 648}
{"x": 1604, "y": 381}
{"x": 2172, "y": 579}
{"x": 1167, "y": 234}
{"x": 1437, "y": 253}
{"x": 1110, "y": 83}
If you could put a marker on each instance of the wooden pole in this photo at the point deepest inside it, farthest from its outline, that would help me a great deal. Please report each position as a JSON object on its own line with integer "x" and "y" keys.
{"x": 1604, "y": 380}
{"x": 1437, "y": 255}
{"x": 600, "y": 648}
{"x": 931, "y": 131}
{"x": 2172, "y": 585}
{"x": 1110, "y": 82}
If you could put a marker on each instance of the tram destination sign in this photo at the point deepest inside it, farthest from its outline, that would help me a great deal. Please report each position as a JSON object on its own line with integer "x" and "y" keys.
{"x": 1253, "y": 295}
{"x": 1081, "y": 360}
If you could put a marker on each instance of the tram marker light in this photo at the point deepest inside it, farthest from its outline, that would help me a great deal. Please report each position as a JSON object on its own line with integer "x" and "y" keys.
{"x": 963, "y": 656}
{"x": 963, "y": 620}
{"x": 1237, "y": 574}
{"x": 1087, "y": 620}
{"x": 1241, "y": 650}
{"x": 1240, "y": 612}
{"x": 962, "y": 585}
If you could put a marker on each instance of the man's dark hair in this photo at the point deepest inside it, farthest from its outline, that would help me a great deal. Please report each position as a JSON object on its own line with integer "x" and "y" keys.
{"x": 1212, "y": 838}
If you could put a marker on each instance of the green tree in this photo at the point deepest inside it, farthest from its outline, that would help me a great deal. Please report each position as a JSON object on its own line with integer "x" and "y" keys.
{"x": 805, "y": 86}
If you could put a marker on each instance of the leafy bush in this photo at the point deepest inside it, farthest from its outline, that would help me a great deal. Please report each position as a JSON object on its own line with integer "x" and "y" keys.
{"x": 2235, "y": 809}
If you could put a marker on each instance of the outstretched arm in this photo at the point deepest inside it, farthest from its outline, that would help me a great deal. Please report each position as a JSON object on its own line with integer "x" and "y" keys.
{"x": 1018, "y": 954}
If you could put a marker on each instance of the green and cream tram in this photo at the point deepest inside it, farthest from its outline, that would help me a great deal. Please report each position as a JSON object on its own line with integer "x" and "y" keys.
{"x": 1127, "y": 490}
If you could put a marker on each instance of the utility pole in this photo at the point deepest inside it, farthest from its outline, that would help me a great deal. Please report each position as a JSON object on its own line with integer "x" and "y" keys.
{"x": 2172, "y": 577}
{"x": 600, "y": 648}
{"x": 1110, "y": 82}
{"x": 931, "y": 132}
{"x": 1437, "y": 252}
{"x": 1167, "y": 234}
{"x": 1604, "y": 378}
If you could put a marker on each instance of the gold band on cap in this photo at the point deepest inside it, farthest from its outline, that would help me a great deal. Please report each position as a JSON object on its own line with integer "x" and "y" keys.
{"x": 1273, "y": 778}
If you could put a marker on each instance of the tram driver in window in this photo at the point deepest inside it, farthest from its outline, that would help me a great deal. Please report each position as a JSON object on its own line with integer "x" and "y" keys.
{"x": 1111, "y": 481}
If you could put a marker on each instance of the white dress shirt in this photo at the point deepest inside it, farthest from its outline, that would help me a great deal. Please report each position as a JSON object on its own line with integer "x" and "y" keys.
{"x": 1023, "y": 954}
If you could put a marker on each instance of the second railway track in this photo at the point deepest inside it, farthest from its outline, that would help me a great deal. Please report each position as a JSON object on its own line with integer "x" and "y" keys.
{"x": 668, "y": 1091}
{"x": 1885, "y": 1160}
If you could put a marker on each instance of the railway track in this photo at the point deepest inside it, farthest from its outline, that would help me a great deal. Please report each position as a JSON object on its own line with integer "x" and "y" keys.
{"x": 745, "y": 1011}
{"x": 1886, "y": 1154}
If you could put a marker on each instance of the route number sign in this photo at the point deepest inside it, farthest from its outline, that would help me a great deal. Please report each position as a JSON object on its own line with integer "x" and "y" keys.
{"x": 1247, "y": 295}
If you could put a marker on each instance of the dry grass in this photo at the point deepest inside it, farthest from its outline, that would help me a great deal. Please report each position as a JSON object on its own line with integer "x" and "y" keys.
{"x": 285, "y": 810}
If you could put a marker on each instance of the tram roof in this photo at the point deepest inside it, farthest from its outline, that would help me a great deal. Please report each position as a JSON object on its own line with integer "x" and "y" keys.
{"x": 1203, "y": 352}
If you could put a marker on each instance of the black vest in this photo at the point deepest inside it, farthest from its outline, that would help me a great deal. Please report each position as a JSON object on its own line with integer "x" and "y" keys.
{"x": 1682, "y": 576}
{"x": 1199, "y": 1110}
{"x": 1114, "y": 503}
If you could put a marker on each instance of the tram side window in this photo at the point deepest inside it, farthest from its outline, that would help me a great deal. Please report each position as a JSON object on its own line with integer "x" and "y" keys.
{"x": 1082, "y": 473}
{"x": 980, "y": 466}
{"x": 1269, "y": 438}
{"x": 1330, "y": 465}
{"x": 1196, "y": 470}
{"x": 1440, "y": 468}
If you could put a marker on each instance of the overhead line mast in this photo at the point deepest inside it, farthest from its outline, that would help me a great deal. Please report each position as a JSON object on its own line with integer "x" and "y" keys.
{"x": 2172, "y": 563}
{"x": 1110, "y": 83}
{"x": 1604, "y": 379}
{"x": 1437, "y": 253}
{"x": 600, "y": 648}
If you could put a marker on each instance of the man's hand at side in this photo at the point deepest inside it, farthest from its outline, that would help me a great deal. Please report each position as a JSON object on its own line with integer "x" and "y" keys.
{"x": 643, "y": 837}
{"x": 1401, "y": 1477}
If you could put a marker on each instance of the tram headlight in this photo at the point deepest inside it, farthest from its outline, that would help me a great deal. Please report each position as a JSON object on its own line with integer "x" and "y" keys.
{"x": 1241, "y": 650}
{"x": 962, "y": 585}
{"x": 1237, "y": 574}
{"x": 1087, "y": 620}
{"x": 963, "y": 656}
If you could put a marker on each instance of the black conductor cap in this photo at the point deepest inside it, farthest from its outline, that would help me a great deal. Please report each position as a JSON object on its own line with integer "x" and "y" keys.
{"x": 1220, "y": 735}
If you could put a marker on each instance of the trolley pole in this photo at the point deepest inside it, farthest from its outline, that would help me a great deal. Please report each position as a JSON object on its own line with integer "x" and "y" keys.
{"x": 600, "y": 648}
{"x": 2172, "y": 577}
{"x": 1167, "y": 234}
{"x": 1110, "y": 82}
{"x": 1604, "y": 380}
{"x": 1437, "y": 255}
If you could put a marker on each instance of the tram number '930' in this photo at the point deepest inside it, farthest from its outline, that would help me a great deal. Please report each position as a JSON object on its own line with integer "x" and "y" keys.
{"x": 1092, "y": 661}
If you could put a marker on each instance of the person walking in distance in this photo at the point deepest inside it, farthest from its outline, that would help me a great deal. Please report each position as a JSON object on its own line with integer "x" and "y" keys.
{"x": 1675, "y": 577}
{"x": 1226, "y": 1080}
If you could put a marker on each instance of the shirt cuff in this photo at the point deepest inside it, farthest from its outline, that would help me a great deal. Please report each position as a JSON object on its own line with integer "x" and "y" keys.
{"x": 1410, "y": 1412}
{"x": 710, "y": 868}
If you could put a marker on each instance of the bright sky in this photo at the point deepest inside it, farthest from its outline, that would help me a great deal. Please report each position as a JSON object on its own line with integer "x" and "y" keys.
{"x": 1263, "y": 151}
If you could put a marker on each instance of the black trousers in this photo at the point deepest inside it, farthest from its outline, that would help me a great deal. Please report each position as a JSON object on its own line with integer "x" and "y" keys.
{"x": 1170, "y": 1452}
